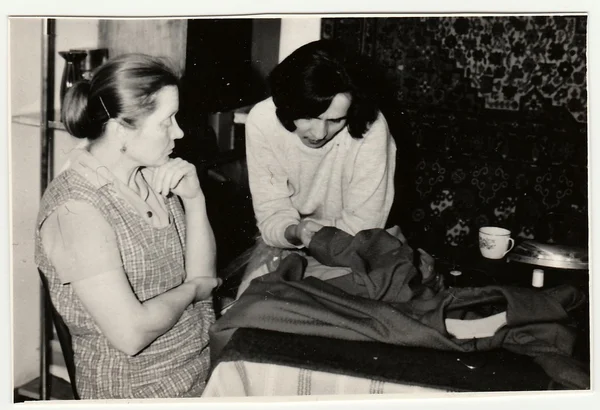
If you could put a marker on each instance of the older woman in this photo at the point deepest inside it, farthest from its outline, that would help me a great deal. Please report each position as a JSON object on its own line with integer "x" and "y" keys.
{"x": 319, "y": 154}
{"x": 129, "y": 269}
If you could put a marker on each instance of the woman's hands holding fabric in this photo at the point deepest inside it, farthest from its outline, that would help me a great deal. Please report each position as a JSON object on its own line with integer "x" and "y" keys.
{"x": 204, "y": 286}
{"x": 177, "y": 176}
{"x": 305, "y": 230}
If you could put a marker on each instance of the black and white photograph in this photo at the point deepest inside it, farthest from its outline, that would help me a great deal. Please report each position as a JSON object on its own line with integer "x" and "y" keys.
{"x": 299, "y": 206}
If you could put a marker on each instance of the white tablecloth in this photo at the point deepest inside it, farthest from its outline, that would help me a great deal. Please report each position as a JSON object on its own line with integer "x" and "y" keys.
{"x": 245, "y": 379}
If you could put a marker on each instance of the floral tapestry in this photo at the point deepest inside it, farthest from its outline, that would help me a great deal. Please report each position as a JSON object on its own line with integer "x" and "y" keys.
{"x": 510, "y": 63}
{"x": 490, "y": 118}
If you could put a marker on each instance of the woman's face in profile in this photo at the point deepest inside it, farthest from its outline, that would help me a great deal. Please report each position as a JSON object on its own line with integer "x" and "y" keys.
{"x": 157, "y": 133}
{"x": 316, "y": 132}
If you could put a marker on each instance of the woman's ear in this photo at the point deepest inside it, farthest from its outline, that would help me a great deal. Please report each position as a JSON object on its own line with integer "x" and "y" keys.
{"x": 117, "y": 131}
{"x": 113, "y": 127}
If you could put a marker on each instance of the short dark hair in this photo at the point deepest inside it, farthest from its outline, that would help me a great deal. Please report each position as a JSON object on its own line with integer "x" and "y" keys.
{"x": 304, "y": 84}
{"x": 124, "y": 87}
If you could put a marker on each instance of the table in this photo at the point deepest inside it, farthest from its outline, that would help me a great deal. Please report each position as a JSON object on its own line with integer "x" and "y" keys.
{"x": 279, "y": 364}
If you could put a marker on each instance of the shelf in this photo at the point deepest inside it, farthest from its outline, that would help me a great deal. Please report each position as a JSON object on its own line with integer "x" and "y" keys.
{"x": 59, "y": 389}
{"x": 35, "y": 120}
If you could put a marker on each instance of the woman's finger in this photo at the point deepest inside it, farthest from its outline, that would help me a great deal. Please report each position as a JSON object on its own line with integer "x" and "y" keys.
{"x": 159, "y": 175}
{"x": 181, "y": 171}
{"x": 313, "y": 226}
{"x": 167, "y": 170}
{"x": 171, "y": 173}
{"x": 175, "y": 177}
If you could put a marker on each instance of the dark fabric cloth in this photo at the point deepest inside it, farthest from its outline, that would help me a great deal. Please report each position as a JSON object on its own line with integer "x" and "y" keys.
{"x": 385, "y": 300}
{"x": 452, "y": 371}
{"x": 382, "y": 266}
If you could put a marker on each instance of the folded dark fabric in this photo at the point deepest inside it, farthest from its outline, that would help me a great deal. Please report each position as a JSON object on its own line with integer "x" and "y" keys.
{"x": 385, "y": 300}
{"x": 382, "y": 267}
{"x": 497, "y": 370}
{"x": 536, "y": 322}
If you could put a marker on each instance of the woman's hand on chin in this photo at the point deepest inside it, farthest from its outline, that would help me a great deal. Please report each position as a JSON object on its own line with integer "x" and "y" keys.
{"x": 177, "y": 176}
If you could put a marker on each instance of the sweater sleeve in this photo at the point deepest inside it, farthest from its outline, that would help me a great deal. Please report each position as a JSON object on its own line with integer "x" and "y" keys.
{"x": 273, "y": 207}
{"x": 369, "y": 197}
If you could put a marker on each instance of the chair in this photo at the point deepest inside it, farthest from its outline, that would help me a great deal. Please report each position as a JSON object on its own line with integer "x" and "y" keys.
{"x": 64, "y": 337}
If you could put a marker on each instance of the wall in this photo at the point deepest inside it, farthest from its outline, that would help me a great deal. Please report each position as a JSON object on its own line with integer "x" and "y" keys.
{"x": 296, "y": 32}
{"x": 25, "y": 59}
{"x": 25, "y": 85}
{"x": 266, "y": 35}
{"x": 25, "y": 153}
{"x": 520, "y": 63}
{"x": 160, "y": 37}
{"x": 72, "y": 33}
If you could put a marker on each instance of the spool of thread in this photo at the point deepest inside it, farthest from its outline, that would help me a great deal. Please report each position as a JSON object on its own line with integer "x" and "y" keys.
{"x": 537, "y": 280}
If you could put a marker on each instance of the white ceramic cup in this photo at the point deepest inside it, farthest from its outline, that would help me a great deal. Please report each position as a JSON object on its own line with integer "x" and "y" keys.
{"x": 494, "y": 242}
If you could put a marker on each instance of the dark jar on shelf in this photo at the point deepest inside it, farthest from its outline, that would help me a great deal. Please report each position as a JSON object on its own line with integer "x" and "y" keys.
{"x": 71, "y": 73}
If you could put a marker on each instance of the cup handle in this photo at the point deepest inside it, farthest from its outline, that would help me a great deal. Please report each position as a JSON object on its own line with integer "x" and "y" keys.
{"x": 512, "y": 244}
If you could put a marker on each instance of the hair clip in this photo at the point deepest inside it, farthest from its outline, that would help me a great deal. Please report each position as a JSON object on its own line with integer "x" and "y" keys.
{"x": 104, "y": 106}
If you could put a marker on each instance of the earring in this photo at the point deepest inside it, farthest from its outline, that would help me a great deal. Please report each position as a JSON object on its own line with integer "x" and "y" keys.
{"x": 123, "y": 149}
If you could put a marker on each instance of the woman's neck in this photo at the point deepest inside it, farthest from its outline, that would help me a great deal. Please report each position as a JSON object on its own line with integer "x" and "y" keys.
{"x": 117, "y": 163}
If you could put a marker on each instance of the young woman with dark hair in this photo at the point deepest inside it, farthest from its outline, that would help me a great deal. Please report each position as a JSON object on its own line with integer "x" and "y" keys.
{"x": 305, "y": 83}
{"x": 129, "y": 270}
{"x": 319, "y": 153}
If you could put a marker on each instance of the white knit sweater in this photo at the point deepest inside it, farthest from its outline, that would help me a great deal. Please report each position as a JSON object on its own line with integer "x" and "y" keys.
{"x": 348, "y": 183}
